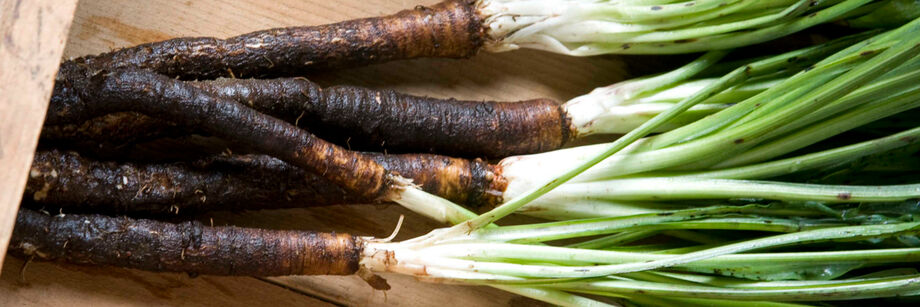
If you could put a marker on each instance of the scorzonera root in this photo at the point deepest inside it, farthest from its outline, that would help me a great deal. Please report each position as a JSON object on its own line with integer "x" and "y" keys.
{"x": 161, "y": 96}
{"x": 185, "y": 247}
{"x": 77, "y": 184}
{"x": 359, "y": 117}
{"x": 449, "y": 29}
{"x": 237, "y": 182}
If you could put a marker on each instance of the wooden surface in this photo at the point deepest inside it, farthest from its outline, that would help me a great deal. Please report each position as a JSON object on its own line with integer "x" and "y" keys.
{"x": 102, "y": 25}
{"x": 47, "y": 284}
{"x": 32, "y": 37}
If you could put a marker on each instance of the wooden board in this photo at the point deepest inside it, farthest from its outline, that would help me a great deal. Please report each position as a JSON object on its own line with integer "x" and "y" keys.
{"x": 102, "y": 25}
{"x": 47, "y": 284}
{"x": 32, "y": 37}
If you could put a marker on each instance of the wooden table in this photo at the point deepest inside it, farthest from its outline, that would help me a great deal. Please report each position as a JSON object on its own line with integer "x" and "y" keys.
{"x": 102, "y": 25}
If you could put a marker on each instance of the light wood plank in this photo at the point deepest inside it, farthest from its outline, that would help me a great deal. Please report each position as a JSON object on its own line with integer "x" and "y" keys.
{"x": 47, "y": 284}
{"x": 32, "y": 37}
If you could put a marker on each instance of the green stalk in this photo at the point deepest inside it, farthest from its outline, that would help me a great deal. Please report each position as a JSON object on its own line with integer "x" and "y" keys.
{"x": 774, "y": 106}
{"x": 787, "y": 91}
{"x": 892, "y": 14}
{"x": 848, "y": 233}
{"x": 763, "y": 266}
{"x": 824, "y": 70}
{"x": 724, "y": 41}
{"x": 509, "y": 207}
{"x": 728, "y": 263}
{"x": 720, "y": 281}
{"x": 834, "y": 291}
{"x": 584, "y": 28}
{"x": 730, "y": 96}
{"x": 713, "y": 223}
{"x": 694, "y": 236}
{"x": 755, "y": 130}
{"x": 892, "y": 82}
{"x": 686, "y": 188}
{"x": 895, "y": 81}
{"x": 624, "y": 163}
{"x": 433, "y": 207}
{"x": 816, "y": 160}
{"x": 708, "y": 23}
{"x": 718, "y": 28}
{"x": 614, "y": 240}
{"x": 576, "y": 207}
{"x": 569, "y": 199}
{"x": 589, "y": 227}
{"x": 664, "y": 11}
{"x": 872, "y": 102}
{"x": 737, "y": 223}
{"x": 875, "y": 110}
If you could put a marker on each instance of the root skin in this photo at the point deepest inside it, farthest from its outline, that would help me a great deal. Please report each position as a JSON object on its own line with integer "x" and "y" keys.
{"x": 248, "y": 182}
{"x": 163, "y": 97}
{"x": 368, "y": 118}
{"x": 185, "y": 247}
{"x": 240, "y": 182}
{"x": 110, "y": 134}
{"x": 450, "y": 29}
{"x": 360, "y": 118}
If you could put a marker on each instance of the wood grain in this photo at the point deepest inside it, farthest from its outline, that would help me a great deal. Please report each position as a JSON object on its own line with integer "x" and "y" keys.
{"x": 102, "y": 25}
{"x": 46, "y": 284}
{"x": 32, "y": 37}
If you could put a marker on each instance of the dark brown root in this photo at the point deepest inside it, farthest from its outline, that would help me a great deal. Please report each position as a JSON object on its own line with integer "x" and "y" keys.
{"x": 448, "y": 29}
{"x": 74, "y": 183}
{"x": 163, "y": 97}
{"x": 185, "y": 247}
{"x": 367, "y": 119}
{"x": 384, "y": 118}
{"x": 243, "y": 182}
{"x": 111, "y": 134}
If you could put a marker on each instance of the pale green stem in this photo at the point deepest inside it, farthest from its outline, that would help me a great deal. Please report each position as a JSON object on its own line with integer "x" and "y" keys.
{"x": 879, "y": 108}
{"x": 816, "y": 160}
{"x": 725, "y": 41}
{"x": 849, "y": 233}
{"x": 509, "y": 207}
{"x": 834, "y": 291}
{"x": 820, "y": 73}
{"x": 686, "y": 188}
{"x": 755, "y": 130}
{"x": 614, "y": 240}
{"x": 599, "y": 226}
